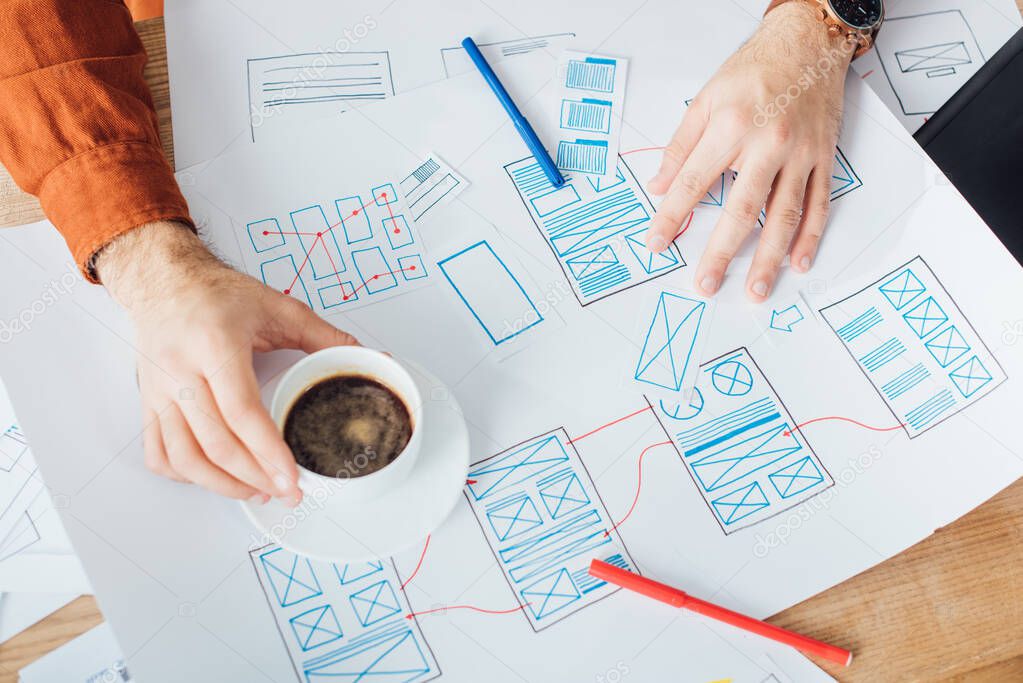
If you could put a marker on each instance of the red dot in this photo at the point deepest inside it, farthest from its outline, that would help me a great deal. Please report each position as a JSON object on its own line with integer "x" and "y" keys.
{"x": 412, "y": 268}
{"x": 384, "y": 195}
{"x": 355, "y": 213}
{"x": 266, "y": 232}
{"x": 319, "y": 234}
{"x": 287, "y": 291}
{"x": 376, "y": 277}
{"x": 344, "y": 298}
{"x": 396, "y": 231}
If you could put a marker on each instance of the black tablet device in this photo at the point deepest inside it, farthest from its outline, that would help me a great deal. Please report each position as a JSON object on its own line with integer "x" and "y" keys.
{"x": 976, "y": 139}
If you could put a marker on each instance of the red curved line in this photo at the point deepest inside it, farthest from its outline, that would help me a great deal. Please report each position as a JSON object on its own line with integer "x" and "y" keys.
{"x": 610, "y": 424}
{"x": 685, "y": 227}
{"x": 419, "y": 564}
{"x": 848, "y": 419}
{"x": 410, "y": 615}
{"x": 639, "y": 485}
{"x": 641, "y": 149}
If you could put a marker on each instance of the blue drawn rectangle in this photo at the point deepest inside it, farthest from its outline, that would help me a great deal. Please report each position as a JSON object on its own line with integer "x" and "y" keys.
{"x": 412, "y": 267}
{"x": 585, "y": 156}
{"x": 318, "y": 241}
{"x": 265, "y": 235}
{"x": 556, "y": 200}
{"x": 384, "y": 194}
{"x": 669, "y": 342}
{"x": 589, "y": 115}
{"x": 343, "y": 292}
{"x": 374, "y": 271}
{"x": 343, "y": 621}
{"x": 592, "y": 73}
{"x": 397, "y": 230}
{"x": 354, "y": 219}
{"x": 918, "y": 355}
{"x": 538, "y": 509}
{"x": 740, "y": 445}
{"x": 491, "y": 292}
{"x": 592, "y": 218}
{"x": 282, "y": 274}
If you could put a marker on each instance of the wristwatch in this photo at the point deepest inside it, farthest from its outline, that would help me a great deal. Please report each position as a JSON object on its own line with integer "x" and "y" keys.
{"x": 858, "y": 20}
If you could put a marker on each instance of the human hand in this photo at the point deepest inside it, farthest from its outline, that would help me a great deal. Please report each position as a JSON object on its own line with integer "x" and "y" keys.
{"x": 772, "y": 114}
{"x": 198, "y": 323}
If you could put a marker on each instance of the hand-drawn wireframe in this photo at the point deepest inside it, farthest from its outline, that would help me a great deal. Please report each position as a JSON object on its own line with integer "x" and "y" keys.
{"x": 843, "y": 177}
{"x": 12, "y": 447}
{"x": 456, "y": 62}
{"x": 595, "y": 229}
{"x": 544, "y": 520}
{"x": 666, "y": 356}
{"x": 589, "y": 119}
{"x": 315, "y": 84}
{"x": 493, "y": 294}
{"x": 927, "y": 57}
{"x": 433, "y": 183}
{"x": 740, "y": 445}
{"x": 343, "y": 621}
{"x": 914, "y": 344}
{"x": 343, "y": 253}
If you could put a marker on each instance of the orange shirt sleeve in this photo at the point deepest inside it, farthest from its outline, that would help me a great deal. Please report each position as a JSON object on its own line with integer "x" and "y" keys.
{"x": 78, "y": 127}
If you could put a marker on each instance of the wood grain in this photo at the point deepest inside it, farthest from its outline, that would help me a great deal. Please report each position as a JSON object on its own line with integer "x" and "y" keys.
{"x": 68, "y": 623}
{"x": 948, "y": 609}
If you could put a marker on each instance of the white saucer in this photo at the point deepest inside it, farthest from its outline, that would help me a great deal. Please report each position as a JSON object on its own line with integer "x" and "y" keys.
{"x": 329, "y": 527}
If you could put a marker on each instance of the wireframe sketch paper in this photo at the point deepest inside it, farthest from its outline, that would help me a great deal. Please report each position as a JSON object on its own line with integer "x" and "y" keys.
{"x": 928, "y": 50}
{"x": 590, "y": 116}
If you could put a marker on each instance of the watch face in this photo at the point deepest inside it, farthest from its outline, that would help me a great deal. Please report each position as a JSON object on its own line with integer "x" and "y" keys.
{"x": 858, "y": 13}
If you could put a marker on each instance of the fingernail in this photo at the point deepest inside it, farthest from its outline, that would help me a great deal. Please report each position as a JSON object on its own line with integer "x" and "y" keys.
{"x": 656, "y": 243}
{"x": 709, "y": 284}
{"x": 259, "y": 499}
{"x": 282, "y": 483}
{"x": 759, "y": 288}
{"x": 804, "y": 263}
{"x": 295, "y": 500}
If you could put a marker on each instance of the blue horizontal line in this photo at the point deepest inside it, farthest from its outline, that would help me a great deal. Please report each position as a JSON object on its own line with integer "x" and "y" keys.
{"x": 731, "y": 434}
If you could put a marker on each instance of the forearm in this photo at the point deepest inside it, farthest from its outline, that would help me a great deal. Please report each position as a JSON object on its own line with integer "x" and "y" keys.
{"x": 77, "y": 124}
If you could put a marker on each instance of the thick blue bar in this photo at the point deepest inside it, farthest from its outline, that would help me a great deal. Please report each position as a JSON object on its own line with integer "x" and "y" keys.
{"x": 529, "y": 136}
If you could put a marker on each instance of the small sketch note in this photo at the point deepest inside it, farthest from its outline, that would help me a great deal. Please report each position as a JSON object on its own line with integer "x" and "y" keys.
{"x": 928, "y": 57}
{"x": 284, "y": 91}
{"x": 433, "y": 183}
{"x": 343, "y": 621}
{"x": 342, "y": 253}
{"x": 740, "y": 444}
{"x": 493, "y": 294}
{"x": 913, "y": 343}
{"x": 589, "y": 119}
{"x": 457, "y": 62}
{"x": 539, "y": 511}
{"x": 595, "y": 228}
{"x": 667, "y": 356}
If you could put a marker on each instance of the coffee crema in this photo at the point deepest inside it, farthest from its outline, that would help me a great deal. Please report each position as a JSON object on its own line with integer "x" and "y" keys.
{"x": 347, "y": 426}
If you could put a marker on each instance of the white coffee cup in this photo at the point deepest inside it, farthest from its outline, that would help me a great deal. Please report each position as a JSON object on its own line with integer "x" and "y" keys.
{"x": 353, "y": 360}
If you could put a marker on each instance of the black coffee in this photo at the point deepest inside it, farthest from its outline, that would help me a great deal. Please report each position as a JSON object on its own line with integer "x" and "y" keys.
{"x": 347, "y": 426}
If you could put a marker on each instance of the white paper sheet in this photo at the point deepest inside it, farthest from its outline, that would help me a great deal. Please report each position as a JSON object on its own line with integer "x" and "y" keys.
{"x": 91, "y": 657}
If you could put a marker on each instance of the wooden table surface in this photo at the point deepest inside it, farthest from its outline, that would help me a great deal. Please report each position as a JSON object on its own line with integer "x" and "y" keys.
{"x": 948, "y": 609}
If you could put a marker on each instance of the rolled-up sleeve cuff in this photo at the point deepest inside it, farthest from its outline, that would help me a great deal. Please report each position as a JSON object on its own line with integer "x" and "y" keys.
{"x": 95, "y": 196}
